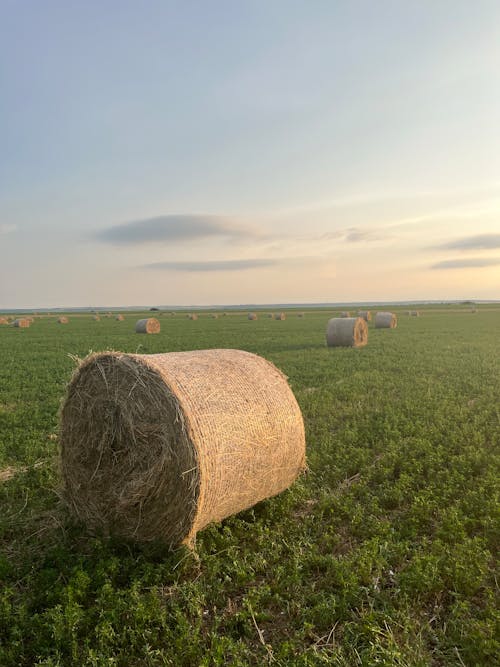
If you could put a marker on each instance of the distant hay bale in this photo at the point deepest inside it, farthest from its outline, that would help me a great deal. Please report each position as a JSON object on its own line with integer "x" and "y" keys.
{"x": 192, "y": 316}
{"x": 4, "y": 320}
{"x": 159, "y": 446}
{"x": 279, "y": 316}
{"x": 385, "y": 320}
{"x": 119, "y": 318}
{"x": 96, "y": 318}
{"x": 345, "y": 313}
{"x": 215, "y": 316}
{"x": 346, "y": 332}
{"x": 149, "y": 325}
{"x": 252, "y": 316}
{"x": 365, "y": 314}
{"x": 300, "y": 314}
{"x": 62, "y": 320}
{"x": 21, "y": 323}
{"x": 414, "y": 313}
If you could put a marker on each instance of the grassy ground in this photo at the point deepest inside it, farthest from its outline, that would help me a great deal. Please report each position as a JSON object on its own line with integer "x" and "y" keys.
{"x": 383, "y": 554}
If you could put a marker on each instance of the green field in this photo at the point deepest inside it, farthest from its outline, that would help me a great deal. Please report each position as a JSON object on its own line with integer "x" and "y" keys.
{"x": 382, "y": 554}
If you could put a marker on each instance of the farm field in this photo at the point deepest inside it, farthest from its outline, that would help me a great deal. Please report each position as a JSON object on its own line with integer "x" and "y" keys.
{"x": 383, "y": 553}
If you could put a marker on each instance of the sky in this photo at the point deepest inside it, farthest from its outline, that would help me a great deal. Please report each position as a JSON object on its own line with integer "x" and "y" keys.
{"x": 262, "y": 151}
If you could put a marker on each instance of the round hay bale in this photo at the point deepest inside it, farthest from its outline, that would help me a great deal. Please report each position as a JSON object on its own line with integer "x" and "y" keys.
{"x": 62, "y": 320}
{"x": 252, "y": 316}
{"x": 96, "y": 318}
{"x": 158, "y": 446}
{"x": 149, "y": 325}
{"x": 345, "y": 313}
{"x": 192, "y": 316}
{"x": 414, "y": 313}
{"x": 215, "y": 316}
{"x": 365, "y": 314}
{"x": 346, "y": 332}
{"x": 386, "y": 321}
{"x": 4, "y": 320}
{"x": 119, "y": 318}
{"x": 279, "y": 316}
{"x": 21, "y": 323}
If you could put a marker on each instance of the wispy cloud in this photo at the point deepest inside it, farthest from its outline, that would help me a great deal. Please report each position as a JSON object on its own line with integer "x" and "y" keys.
{"x": 216, "y": 265}
{"x": 477, "y": 242}
{"x": 355, "y": 235}
{"x": 7, "y": 229}
{"x": 476, "y": 262}
{"x": 173, "y": 228}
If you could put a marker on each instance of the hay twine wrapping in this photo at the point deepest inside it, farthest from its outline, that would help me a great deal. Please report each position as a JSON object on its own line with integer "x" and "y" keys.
{"x": 158, "y": 446}
{"x": 21, "y": 323}
{"x": 365, "y": 314}
{"x": 386, "y": 321}
{"x": 150, "y": 325}
{"x": 346, "y": 332}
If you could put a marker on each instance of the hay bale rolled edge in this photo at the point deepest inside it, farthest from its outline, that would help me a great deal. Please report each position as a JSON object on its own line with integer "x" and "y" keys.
{"x": 346, "y": 332}
{"x": 384, "y": 320}
{"x": 221, "y": 432}
{"x": 365, "y": 314}
{"x": 149, "y": 325}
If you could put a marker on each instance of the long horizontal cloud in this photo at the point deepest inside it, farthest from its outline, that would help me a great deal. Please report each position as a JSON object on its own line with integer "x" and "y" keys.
{"x": 216, "y": 265}
{"x": 477, "y": 262}
{"x": 174, "y": 228}
{"x": 477, "y": 242}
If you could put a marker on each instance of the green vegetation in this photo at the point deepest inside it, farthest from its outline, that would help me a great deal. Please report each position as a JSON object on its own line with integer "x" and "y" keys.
{"x": 383, "y": 554}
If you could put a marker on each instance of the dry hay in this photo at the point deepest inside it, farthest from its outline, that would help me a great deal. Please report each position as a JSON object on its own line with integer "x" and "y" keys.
{"x": 345, "y": 313}
{"x": 62, "y": 320}
{"x": 119, "y": 318}
{"x": 252, "y": 316}
{"x": 192, "y": 316}
{"x": 21, "y": 323}
{"x": 279, "y": 316}
{"x": 346, "y": 332}
{"x": 365, "y": 314}
{"x": 150, "y": 325}
{"x": 414, "y": 313}
{"x": 96, "y": 318}
{"x": 386, "y": 321}
{"x": 158, "y": 446}
{"x": 4, "y": 320}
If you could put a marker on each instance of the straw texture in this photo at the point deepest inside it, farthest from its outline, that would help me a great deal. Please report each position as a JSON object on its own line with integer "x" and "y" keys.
{"x": 4, "y": 320}
{"x": 21, "y": 323}
{"x": 158, "y": 446}
{"x": 365, "y": 314}
{"x": 346, "y": 332}
{"x": 150, "y": 325}
{"x": 386, "y": 321}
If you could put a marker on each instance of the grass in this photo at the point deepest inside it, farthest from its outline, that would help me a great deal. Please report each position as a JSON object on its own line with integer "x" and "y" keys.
{"x": 383, "y": 554}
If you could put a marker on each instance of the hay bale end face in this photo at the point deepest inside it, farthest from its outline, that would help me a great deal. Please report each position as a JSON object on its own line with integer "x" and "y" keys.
{"x": 21, "y": 323}
{"x": 385, "y": 320}
{"x": 150, "y": 325}
{"x": 4, "y": 320}
{"x": 346, "y": 332}
{"x": 171, "y": 442}
{"x": 252, "y": 316}
{"x": 366, "y": 315}
{"x": 192, "y": 316}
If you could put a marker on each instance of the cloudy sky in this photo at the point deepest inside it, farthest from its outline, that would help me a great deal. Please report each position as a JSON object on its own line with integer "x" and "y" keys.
{"x": 194, "y": 152}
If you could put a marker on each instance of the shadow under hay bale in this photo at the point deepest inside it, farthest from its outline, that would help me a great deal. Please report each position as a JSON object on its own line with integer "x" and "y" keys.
{"x": 149, "y": 325}
{"x": 346, "y": 332}
{"x": 171, "y": 442}
{"x": 385, "y": 320}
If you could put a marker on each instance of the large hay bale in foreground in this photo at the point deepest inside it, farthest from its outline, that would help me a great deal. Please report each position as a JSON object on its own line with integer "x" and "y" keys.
{"x": 150, "y": 325}
{"x": 346, "y": 332}
{"x": 62, "y": 320}
{"x": 21, "y": 323}
{"x": 386, "y": 321}
{"x": 158, "y": 446}
{"x": 365, "y": 314}
{"x": 252, "y": 316}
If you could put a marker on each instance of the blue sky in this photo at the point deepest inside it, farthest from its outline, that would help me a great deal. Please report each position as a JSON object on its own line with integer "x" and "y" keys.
{"x": 229, "y": 152}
